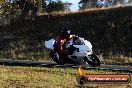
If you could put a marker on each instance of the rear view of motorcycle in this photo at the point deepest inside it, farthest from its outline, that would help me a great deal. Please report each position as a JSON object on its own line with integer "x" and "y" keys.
{"x": 80, "y": 52}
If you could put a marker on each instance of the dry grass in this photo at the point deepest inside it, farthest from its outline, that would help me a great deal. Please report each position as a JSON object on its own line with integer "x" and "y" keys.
{"x": 42, "y": 77}
{"x": 115, "y": 59}
{"x": 31, "y": 77}
{"x": 62, "y": 13}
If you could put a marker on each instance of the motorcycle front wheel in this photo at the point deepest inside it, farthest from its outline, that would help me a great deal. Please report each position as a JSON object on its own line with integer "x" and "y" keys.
{"x": 92, "y": 60}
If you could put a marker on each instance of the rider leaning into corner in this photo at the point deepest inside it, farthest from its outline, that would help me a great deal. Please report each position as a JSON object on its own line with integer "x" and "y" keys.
{"x": 60, "y": 42}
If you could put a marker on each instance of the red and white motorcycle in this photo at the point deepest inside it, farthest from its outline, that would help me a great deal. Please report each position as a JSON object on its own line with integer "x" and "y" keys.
{"x": 80, "y": 52}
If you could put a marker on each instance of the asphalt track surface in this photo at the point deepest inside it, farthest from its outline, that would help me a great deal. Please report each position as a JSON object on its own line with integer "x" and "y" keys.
{"x": 11, "y": 62}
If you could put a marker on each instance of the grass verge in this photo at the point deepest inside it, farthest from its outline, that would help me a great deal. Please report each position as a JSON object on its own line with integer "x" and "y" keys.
{"x": 42, "y": 77}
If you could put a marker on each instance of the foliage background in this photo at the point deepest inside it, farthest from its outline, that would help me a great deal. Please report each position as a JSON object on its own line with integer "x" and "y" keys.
{"x": 109, "y": 31}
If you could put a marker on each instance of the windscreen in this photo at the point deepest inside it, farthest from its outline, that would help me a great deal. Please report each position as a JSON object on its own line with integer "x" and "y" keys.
{"x": 78, "y": 42}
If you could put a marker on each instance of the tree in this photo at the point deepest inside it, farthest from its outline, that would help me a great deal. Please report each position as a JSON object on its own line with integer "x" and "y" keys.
{"x": 123, "y": 2}
{"x": 17, "y": 10}
{"x": 55, "y": 6}
{"x": 8, "y": 12}
{"x": 85, "y": 4}
{"x": 67, "y": 6}
{"x": 44, "y": 4}
{"x": 1, "y": 1}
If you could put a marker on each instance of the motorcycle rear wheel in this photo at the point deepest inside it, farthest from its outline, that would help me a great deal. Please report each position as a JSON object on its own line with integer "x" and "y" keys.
{"x": 56, "y": 59}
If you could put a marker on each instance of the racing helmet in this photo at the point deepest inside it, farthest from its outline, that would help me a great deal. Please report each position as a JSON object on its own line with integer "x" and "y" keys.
{"x": 65, "y": 32}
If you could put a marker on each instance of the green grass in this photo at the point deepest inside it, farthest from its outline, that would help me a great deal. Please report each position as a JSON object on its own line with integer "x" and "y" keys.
{"x": 42, "y": 77}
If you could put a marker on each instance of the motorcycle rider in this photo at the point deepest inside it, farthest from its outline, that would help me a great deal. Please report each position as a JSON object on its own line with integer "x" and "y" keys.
{"x": 60, "y": 42}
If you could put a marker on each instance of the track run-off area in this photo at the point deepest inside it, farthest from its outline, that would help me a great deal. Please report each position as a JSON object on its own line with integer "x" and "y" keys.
{"x": 11, "y": 62}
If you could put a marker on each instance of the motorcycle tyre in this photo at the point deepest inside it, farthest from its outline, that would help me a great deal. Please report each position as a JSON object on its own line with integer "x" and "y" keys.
{"x": 55, "y": 59}
{"x": 92, "y": 63}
